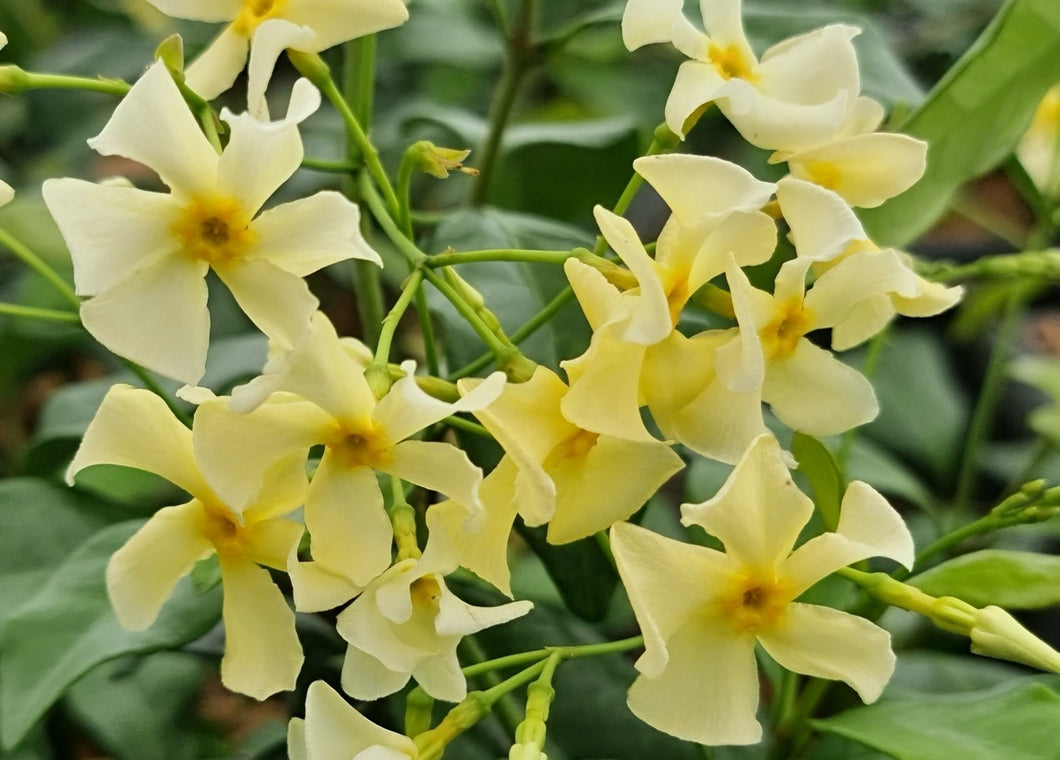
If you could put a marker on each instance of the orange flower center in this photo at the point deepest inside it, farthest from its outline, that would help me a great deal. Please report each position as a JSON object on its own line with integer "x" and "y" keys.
{"x": 575, "y": 446}
{"x": 731, "y": 62}
{"x": 783, "y": 333}
{"x": 215, "y": 230}
{"x": 752, "y": 601}
{"x": 254, "y": 12}
{"x": 359, "y": 448}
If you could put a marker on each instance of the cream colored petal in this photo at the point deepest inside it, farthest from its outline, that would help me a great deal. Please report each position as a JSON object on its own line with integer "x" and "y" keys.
{"x": 702, "y": 186}
{"x": 863, "y": 321}
{"x": 667, "y": 581}
{"x": 278, "y": 302}
{"x": 932, "y": 298}
{"x": 822, "y": 223}
{"x": 790, "y": 283}
{"x": 262, "y": 652}
{"x": 334, "y": 730}
{"x": 133, "y": 427}
{"x": 270, "y": 542}
{"x": 865, "y": 170}
{"x": 776, "y": 123}
{"x": 826, "y": 643}
{"x": 437, "y": 466}
{"x": 243, "y": 174}
{"x": 366, "y": 629}
{"x": 611, "y": 482}
{"x": 708, "y": 692}
{"x": 484, "y": 553}
{"x": 152, "y": 125}
{"x": 200, "y": 10}
{"x": 649, "y": 320}
{"x": 605, "y": 390}
{"x": 316, "y": 588}
{"x": 458, "y": 618}
{"x": 351, "y": 533}
{"x": 854, "y": 279}
{"x": 110, "y": 231}
{"x": 336, "y": 21}
{"x": 759, "y": 512}
{"x": 365, "y": 677}
{"x": 142, "y": 574}
{"x": 868, "y": 527}
{"x": 601, "y": 302}
{"x": 648, "y": 21}
{"x": 238, "y": 452}
{"x": 677, "y": 369}
{"x": 7, "y": 193}
{"x": 813, "y": 67}
{"x": 215, "y": 69}
{"x": 270, "y": 40}
{"x": 740, "y": 362}
{"x": 311, "y": 233}
{"x": 296, "y": 749}
{"x": 723, "y": 20}
{"x": 408, "y": 409}
{"x": 750, "y": 237}
{"x": 696, "y": 85}
{"x": 441, "y": 678}
{"x": 813, "y": 392}
{"x": 156, "y": 317}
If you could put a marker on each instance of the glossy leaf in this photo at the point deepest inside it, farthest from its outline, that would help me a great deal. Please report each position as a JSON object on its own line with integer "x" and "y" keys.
{"x": 1012, "y": 579}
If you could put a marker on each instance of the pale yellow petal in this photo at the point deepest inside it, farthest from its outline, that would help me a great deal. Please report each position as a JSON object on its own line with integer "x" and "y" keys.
{"x": 270, "y": 39}
{"x": 133, "y": 427}
{"x": 262, "y": 652}
{"x": 648, "y": 21}
{"x": 216, "y": 68}
{"x": 278, "y": 302}
{"x": 142, "y": 574}
{"x": 365, "y": 677}
{"x": 270, "y": 542}
{"x": 437, "y": 466}
{"x": 156, "y": 317}
{"x": 826, "y": 643}
{"x": 458, "y": 618}
{"x": 708, "y": 691}
{"x": 334, "y": 730}
{"x": 336, "y": 21}
{"x": 697, "y": 187}
{"x": 750, "y": 237}
{"x": 854, "y": 279}
{"x": 242, "y": 174}
{"x": 153, "y": 125}
{"x": 316, "y": 588}
{"x": 441, "y": 678}
{"x": 200, "y": 10}
{"x": 601, "y": 302}
{"x": 667, "y": 582}
{"x": 759, "y": 512}
{"x": 697, "y": 84}
{"x": 863, "y": 321}
{"x": 822, "y": 223}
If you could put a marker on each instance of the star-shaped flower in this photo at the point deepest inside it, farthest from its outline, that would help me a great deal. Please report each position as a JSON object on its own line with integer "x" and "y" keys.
{"x": 702, "y": 611}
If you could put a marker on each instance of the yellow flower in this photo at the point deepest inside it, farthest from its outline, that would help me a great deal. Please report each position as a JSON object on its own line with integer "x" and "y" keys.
{"x": 333, "y": 730}
{"x": 143, "y": 256}
{"x": 1039, "y": 150}
{"x": 134, "y": 428}
{"x": 702, "y": 611}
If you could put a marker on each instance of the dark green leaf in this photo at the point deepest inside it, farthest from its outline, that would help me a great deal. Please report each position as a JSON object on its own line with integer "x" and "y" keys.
{"x": 68, "y": 628}
{"x": 822, "y": 471}
{"x": 1014, "y": 721}
{"x": 973, "y": 118}
{"x": 582, "y": 572}
{"x": 1011, "y": 579}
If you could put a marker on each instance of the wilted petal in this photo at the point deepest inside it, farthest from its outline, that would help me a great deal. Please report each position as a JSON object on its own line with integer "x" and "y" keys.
{"x": 813, "y": 392}
{"x": 347, "y": 521}
{"x": 759, "y": 512}
{"x": 110, "y": 231}
{"x": 156, "y": 317}
{"x": 217, "y": 67}
{"x": 143, "y": 573}
{"x": 334, "y": 730}
{"x": 152, "y": 125}
{"x": 278, "y": 302}
{"x": 826, "y": 643}
{"x": 708, "y": 692}
{"x": 133, "y": 427}
{"x": 665, "y": 580}
{"x": 262, "y": 652}
{"x": 308, "y": 234}
{"x": 271, "y": 38}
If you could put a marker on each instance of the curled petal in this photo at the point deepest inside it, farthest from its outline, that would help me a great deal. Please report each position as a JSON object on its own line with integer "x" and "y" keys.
{"x": 334, "y": 21}
{"x": 271, "y": 38}
{"x": 334, "y": 730}
{"x": 822, "y": 224}
{"x": 647, "y": 21}
{"x": 601, "y": 302}
{"x": 217, "y": 67}
{"x": 695, "y": 187}
{"x": 697, "y": 84}
{"x": 437, "y": 466}
{"x": 200, "y": 10}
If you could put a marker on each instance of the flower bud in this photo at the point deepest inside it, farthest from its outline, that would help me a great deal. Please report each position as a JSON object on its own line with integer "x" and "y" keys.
{"x": 13, "y": 80}
{"x": 438, "y": 162}
{"x": 995, "y": 633}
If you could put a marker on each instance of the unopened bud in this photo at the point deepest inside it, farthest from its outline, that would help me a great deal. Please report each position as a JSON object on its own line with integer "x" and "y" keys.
{"x": 171, "y": 53}
{"x": 13, "y": 80}
{"x": 995, "y": 633}
{"x": 471, "y": 296}
{"x": 526, "y": 752}
{"x": 438, "y": 162}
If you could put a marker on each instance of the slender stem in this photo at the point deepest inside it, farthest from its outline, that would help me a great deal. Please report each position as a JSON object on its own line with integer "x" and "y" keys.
{"x": 1042, "y": 449}
{"x": 32, "y": 312}
{"x": 38, "y": 265}
{"x": 430, "y": 349}
{"x": 406, "y": 247}
{"x": 468, "y": 426}
{"x": 30, "y": 80}
{"x": 951, "y": 539}
{"x": 622, "y": 204}
{"x": 392, "y": 319}
{"x": 332, "y": 167}
{"x": 502, "y": 350}
{"x": 517, "y": 63}
{"x": 501, "y": 15}
{"x": 359, "y": 76}
{"x": 986, "y": 404}
{"x": 566, "y": 653}
{"x": 404, "y": 191}
{"x": 455, "y": 258}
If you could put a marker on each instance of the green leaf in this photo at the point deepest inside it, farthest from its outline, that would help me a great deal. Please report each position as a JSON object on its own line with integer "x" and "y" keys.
{"x": 1014, "y": 721}
{"x": 887, "y": 474}
{"x": 974, "y": 117}
{"x": 822, "y": 471}
{"x": 68, "y": 627}
{"x": 140, "y": 708}
{"x": 1012, "y": 579}
{"x": 514, "y": 291}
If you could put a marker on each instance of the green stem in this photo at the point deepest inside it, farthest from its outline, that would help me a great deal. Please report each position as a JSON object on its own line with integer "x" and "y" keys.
{"x": 38, "y": 265}
{"x": 32, "y": 312}
{"x": 468, "y": 426}
{"x": 332, "y": 167}
{"x": 565, "y": 653}
{"x": 392, "y": 319}
{"x": 986, "y": 404}
{"x": 455, "y": 258}
{"x": 19, "y": 81}
{"x": 359, "y": 76}
{"x": 404, "y": 191}
{"x": 503, "y": 350}
{"x": 984, "y": 524}
{"x": 622, "y": 204}
{"x": 517, "y": 63}
{"x": 430, "y": 349}
{"x": 405, "y": 247}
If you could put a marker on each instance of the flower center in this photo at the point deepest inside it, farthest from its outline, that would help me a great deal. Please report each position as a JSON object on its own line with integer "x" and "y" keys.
{"x": 753, "y": 602}
{"x": 359, "y": 448}
{"x": 214, "y": 230}
{"x": 823, "y": 173}
{"x": 425, "y": 592}
{"x": 731, "y": 62}
{"x": 782, "y": 334}
{"x": 575, "y": 446}
{"x": 253, "y": 13}
{"x": 221, "y": 529}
